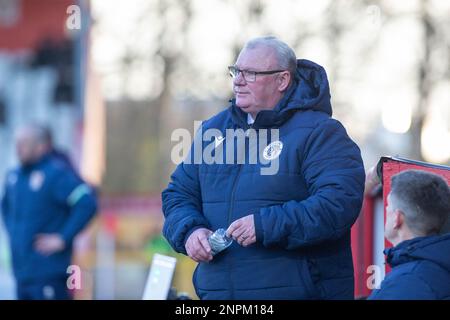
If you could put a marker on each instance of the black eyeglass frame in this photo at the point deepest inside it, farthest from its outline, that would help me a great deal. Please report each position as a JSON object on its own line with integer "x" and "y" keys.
{"x": 235, "y": 71}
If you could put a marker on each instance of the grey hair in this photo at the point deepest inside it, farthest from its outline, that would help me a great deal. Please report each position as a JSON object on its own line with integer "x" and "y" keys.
{"x": 285, "y": 55}
{"x": 424, "y": 199}
{"x": 40, "y": 133}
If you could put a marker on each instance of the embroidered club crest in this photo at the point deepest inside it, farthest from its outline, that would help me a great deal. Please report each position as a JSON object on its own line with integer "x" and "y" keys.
{"x": 36, "y": 180}
{"x": 273, "y": 150}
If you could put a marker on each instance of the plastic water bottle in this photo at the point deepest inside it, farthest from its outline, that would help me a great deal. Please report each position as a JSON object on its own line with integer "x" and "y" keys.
{"x": 219, "y": 241}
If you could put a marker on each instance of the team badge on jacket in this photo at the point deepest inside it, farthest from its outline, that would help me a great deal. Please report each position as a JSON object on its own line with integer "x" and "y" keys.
{"x": 273, "y": 150}
{"x": 36, "y": 180}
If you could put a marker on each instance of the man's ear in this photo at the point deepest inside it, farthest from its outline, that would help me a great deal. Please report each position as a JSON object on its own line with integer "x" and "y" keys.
{"x": 399, "y": 219}
{"x": 283, "y": 80}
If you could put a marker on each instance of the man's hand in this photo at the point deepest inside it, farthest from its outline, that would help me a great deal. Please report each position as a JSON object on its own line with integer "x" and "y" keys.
{"x": 197, "y": 245}
{"x": 372, "y": 180}
{"x": 243, "y": 230}
{"x": 50, "y": 243}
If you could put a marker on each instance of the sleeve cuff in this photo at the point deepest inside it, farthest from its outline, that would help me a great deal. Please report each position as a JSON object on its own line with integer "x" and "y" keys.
{"x": 188, "y": 234}
{"x": 67, "y": 238}
{"x": 258, "y": 227}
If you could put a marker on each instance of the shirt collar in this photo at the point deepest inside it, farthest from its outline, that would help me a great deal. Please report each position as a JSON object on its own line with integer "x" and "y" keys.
{"x": 250, "y": 119}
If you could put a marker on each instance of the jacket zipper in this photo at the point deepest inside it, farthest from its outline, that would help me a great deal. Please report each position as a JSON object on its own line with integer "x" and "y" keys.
{"x": 230, "y": 211}
{"x": 233, "y": 190}
{"x": 229, "y": 222}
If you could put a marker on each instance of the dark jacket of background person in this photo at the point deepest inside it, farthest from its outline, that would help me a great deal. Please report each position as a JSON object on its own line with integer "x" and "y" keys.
{"x": 420, "y": 270}
{"x": 303, "y": 214}
{"x": 46, "y": 197}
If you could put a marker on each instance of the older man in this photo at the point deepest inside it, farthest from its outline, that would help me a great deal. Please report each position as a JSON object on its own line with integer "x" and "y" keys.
{"x": 45, "y": 206}
{"x": 417, "y": 209}
{"x": 292, "y": 228}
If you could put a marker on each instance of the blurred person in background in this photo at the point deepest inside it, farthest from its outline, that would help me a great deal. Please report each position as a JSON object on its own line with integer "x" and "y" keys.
{"x": 417, "y": 209}
{"x": 372, "y": 180}
{"x": 292, "y": 228}
{"x": 45, "y": 205}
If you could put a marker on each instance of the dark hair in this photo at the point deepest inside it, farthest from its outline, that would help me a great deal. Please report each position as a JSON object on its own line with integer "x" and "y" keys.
{"x": 424, "y": 198}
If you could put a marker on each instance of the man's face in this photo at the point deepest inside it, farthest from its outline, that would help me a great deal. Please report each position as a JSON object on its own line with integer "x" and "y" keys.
{"x": 26, "y": 147}
{"x": 263, "y": 93}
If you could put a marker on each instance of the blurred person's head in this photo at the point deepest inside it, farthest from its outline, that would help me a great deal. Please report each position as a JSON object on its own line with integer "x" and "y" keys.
{"x": 32, "y": 142}
{"x": 256, "y": 92}
{"x": 418, "y": 205}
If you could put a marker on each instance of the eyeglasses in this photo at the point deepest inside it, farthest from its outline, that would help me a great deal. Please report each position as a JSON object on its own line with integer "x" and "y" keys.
{"x": 249, "y": 76}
